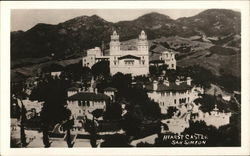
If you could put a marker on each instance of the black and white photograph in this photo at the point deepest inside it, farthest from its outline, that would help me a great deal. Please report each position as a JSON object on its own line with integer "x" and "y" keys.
{"x": 125, "y": 78}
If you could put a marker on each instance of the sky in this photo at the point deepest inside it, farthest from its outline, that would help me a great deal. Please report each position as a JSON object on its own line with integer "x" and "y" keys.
{"x": 24, "y": 19}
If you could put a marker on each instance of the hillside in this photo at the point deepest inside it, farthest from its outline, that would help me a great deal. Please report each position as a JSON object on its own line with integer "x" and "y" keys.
{"x": 211, "y": 39}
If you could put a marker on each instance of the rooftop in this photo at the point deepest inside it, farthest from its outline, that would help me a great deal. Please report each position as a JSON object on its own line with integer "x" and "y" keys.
{"x": 88, "y": 96}
{"x": 129, "y": 57}
{"x": 110, "y": 89}
{"x": 72, "y": 89}
{"x": 183, "y": 86}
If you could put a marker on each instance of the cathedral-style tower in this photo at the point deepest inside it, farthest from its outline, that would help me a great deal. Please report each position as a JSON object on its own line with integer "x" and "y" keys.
{"x": 114, "y": 44}
{"x": 142, "y": 45}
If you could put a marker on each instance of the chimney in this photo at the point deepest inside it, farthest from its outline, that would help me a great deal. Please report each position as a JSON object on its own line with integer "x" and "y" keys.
{"x": 102, "y": 48}
{"x": 177, "y": 81}
{"x": 155, "y": 85}
{"x": 189, "y": 81}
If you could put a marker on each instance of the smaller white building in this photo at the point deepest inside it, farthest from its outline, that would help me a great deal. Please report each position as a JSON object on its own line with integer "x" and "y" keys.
{"x": 169, "y": 59}
{"x": 94, "y": 55}
{"x": 214, "y": 118}
{"x": 172, "y": 94}
{"x": 166, "y": 58}
{"x": 85, "y": 102}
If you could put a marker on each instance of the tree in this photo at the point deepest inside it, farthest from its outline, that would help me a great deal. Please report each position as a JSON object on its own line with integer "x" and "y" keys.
{"x": 101, "y": 69}
{"x": 229, "y": 82}
{"x": 76, "y": 72}
{"x": 113, "y": 111}
{"x": 170, "y": 112}
{"x": 162, "y": 68}
{"x": 18, "y": 92}
{"x": 153, "y": 70}
{"x": 122, "y": 83}
{"x": 200, "y": 127}
{"x": 55, "y": 96}
{"x": 131, "y": 122}
{"x": 227, "y": 135}
{"x": 91, "y": 127}
{"x": 67, "y": 125}
{"x": 207, "y": 102}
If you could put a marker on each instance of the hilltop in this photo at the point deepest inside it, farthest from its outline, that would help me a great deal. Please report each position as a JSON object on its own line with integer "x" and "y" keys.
{"x": 211, "y": 39}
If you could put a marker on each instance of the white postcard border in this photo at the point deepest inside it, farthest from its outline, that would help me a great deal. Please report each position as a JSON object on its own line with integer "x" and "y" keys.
{"x": 6, "y": 7}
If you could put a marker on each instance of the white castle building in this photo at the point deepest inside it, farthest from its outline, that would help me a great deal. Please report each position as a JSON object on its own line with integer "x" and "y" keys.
{"x": 135, "y": 62}
{"x": 172, "y": 94}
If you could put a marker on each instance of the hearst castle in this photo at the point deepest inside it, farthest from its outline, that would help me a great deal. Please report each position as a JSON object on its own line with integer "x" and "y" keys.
{"x": 179, "y": 94}
{"x": 134, "y": 62}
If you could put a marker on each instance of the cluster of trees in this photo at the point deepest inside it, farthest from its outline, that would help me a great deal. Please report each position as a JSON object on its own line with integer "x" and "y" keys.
{"x": 228, "y": 135}
{"x": 18, "y": 94}
{"x": 200, "y": 76}
{"x": 229, "y": 82}
{"x": 77, "y": 72}
{"x": 113, "y": 111}
{"x": 157, "y": 70}
{"x": 53, "y": 92}
{"x": 208, "y": 103}
{"x": 139, "y": 107}
{"x": 54, "y": 109}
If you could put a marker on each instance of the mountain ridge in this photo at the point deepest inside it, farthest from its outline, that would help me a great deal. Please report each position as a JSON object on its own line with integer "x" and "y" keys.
{"x": 73, "y": 37}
